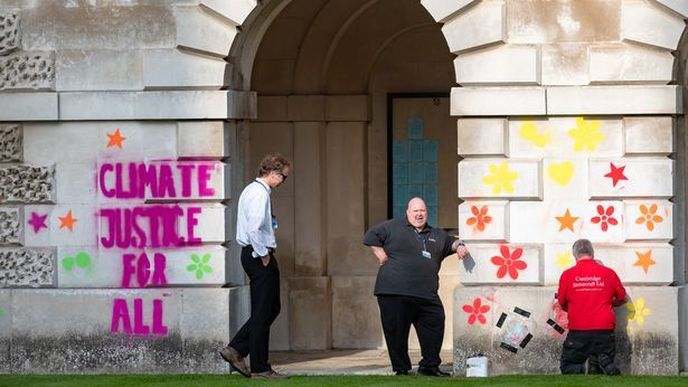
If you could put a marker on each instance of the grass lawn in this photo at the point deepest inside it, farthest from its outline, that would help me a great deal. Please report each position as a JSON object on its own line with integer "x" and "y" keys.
{"x": 317, "y": 381}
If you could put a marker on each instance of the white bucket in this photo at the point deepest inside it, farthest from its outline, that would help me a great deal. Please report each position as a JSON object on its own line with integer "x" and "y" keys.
{"x": 476, "y": 367}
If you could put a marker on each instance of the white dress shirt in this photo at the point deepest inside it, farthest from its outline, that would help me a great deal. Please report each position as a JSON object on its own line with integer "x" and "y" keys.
{"x": 254, "y": 218}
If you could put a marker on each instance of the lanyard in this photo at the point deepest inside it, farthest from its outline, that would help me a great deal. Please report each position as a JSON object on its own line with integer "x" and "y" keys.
{"x": 422, "y": 239}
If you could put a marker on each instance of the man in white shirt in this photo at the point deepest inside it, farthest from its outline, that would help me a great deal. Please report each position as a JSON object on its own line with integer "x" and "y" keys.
{"x": 256, "y": 234}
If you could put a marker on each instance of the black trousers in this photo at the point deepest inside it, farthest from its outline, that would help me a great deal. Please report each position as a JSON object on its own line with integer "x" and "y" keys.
{"x": 598, "y": 347}
{"x": 398, "y": 313}
{"x": 254, "y": 336}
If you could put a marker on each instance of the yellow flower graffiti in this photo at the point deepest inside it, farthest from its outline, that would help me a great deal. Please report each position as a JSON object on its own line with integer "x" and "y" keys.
{"x": 638, "y": 311}
{"x": 501, "y": 178}
{"x": 564, "y": 260}
{"x": 586, "y": 135}
{"x": 529, "y": 131}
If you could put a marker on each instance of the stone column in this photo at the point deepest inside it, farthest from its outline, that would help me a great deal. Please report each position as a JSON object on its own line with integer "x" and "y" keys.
{"x": 565, "y": 117}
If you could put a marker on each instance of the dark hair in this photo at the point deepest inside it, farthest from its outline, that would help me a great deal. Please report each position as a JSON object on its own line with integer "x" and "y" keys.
{"x": 272, "y": 162}
{"x": 582, "y": 247}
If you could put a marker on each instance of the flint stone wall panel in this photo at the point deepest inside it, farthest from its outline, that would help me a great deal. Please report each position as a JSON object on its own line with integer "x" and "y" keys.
{"x": 27, "y": 184}
{"x": 11, "y": 230}
{"x": 9, "y": 32}
{"x": 11, "y": 137}
{"x": 27, "y": 267}
{"x": 27, "y": 71}
{"x": 5, "y": 330}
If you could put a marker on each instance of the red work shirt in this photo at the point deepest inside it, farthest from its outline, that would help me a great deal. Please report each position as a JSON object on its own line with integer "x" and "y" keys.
{"x": 587, "y": 291}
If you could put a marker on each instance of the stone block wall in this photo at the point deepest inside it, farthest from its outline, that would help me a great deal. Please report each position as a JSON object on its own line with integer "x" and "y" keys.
{"x": 566, "y": 120}
{"x": 117, "y": 173}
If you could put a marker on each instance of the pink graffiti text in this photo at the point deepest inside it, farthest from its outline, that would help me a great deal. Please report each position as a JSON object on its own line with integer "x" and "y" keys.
{"x": 140, "y": 268}
{"x": 122, "y": 320}
{"x": 149, "y": 226}
{"x": 132, "y": 180}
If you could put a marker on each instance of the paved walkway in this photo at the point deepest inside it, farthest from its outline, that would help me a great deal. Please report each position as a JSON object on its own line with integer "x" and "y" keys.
{"x": 343, "y": 362}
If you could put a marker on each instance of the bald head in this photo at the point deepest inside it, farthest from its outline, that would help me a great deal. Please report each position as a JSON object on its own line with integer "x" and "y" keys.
{"x": 417, "y": 213}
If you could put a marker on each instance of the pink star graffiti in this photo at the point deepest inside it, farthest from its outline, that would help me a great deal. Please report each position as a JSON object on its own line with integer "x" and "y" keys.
{"x": 38, "y": 222}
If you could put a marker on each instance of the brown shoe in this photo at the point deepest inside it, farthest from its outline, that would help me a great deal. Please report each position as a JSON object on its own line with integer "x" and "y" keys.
{"x": 271, "y": 374}
{"x": 235, "y": 360}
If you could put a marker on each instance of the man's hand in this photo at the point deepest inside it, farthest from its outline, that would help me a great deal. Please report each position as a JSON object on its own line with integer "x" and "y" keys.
{"x": 461, "y": 251}
{"x": 266, "y": 260}
{"x": 379, "y": 252}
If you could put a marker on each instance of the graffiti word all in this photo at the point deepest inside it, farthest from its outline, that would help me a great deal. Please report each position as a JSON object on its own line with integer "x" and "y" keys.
{"x": 137, "y": 324}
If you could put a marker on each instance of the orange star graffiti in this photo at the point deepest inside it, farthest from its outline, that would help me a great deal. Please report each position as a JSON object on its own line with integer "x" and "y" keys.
{"x": 68, "y": 221}
{"x": 115, "y": 139}
{"x": 644, "y": 260}
{"x": 566, "y": 221}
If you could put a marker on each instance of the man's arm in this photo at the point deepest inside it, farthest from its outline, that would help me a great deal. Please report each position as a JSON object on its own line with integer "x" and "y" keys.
{"x": 620, "y": 295}
{"x": 375, "y": 238}
{"x": 380, "y": 254}
{"x": 561, "y": 293}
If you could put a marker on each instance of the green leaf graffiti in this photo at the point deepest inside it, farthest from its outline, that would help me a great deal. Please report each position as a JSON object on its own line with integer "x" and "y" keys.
{"x": 81, "y": 260}
{"x": 200, "y": 265}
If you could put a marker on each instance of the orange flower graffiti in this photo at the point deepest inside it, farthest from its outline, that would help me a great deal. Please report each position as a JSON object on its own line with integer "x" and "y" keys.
{"x": 509, "y": 262}
{"x": 480, "y": 219}
{"x": 649, "y": 217}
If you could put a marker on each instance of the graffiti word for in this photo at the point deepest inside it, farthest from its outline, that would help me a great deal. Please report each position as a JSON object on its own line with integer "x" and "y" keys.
{"x": 122, "y": 321}
{"x": 162, "y": 180}
{"x": 149, "y": 226}
{"x": 141, "y": 266}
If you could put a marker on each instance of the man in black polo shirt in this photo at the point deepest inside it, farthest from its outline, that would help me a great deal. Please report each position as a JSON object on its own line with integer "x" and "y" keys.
{"x": 410, "y": 253}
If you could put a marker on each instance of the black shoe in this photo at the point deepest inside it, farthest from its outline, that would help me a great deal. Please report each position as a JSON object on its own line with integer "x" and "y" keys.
{"x": 432, "y": 371}
{"x": 401, "y": 372}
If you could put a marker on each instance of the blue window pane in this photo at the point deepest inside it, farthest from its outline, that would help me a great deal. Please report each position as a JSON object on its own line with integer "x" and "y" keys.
{"x": 400, "y": 195}
{"x": 432, "y": 215}
{"x": 430, "y": 194}
{"x": 399, "y": 150}
{"x": 415, "y": 128}
{"x": 430, "y": 173}
{"x": 416, "y": 173}
{"x": 415, "y": 191}
{"x": 430, "y": 149}
{"x": 400, "y": 173}
{"x": 399, "y": 212}
{"x": 415, "y": 150}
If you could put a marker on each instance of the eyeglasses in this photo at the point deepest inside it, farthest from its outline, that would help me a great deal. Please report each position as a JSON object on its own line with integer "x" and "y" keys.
{"x": 284, "y": 177}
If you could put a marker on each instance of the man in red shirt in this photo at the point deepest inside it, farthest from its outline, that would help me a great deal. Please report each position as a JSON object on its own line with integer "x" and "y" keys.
{"x": 589, "y": 292}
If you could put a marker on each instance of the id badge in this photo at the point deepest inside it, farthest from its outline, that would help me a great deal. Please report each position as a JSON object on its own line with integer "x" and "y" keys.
{"x": 426, "y": 254}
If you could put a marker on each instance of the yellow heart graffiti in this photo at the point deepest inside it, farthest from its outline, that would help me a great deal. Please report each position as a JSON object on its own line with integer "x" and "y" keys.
{"x": 561, "y": 173}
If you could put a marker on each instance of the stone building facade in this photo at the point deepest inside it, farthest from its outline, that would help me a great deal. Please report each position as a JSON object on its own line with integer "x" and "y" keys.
{"x": 128, "y": 128}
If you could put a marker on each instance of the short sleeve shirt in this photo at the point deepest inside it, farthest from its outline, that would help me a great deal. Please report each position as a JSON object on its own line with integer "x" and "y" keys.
{"x": 409, "y": 271}
{"x": 587, "y": 291}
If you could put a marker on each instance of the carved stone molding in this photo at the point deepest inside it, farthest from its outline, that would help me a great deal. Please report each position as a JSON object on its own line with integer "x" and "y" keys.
{"x": 27, "y": 267}
{"x": 27, "y": 184}
{"x": 10, "y": 143}
{"x": 10, "y": 226}
{"x": 27, "y": 70}
{"x": 9, "y": 32}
